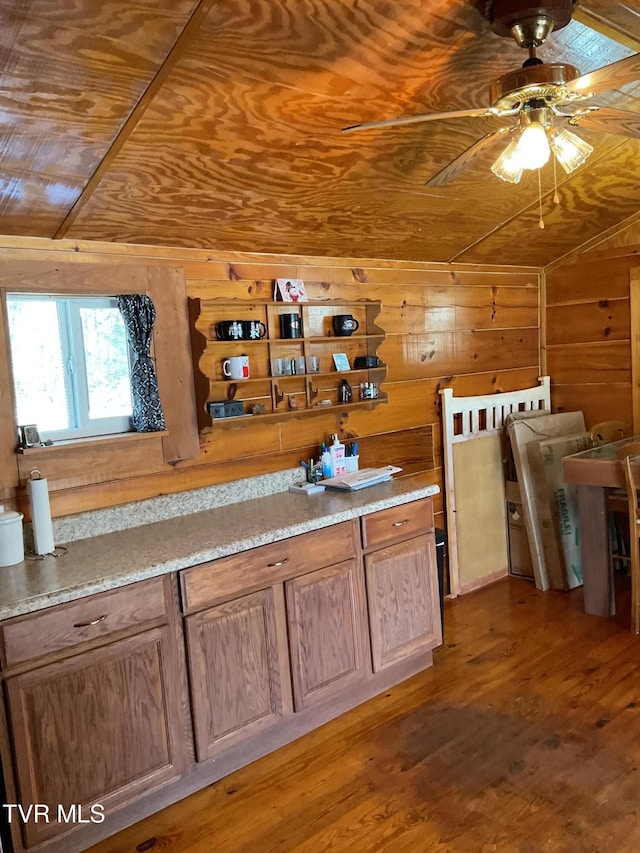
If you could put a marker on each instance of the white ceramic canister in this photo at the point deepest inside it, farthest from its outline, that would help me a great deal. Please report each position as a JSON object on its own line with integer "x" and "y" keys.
{"x": 11, "y": 541}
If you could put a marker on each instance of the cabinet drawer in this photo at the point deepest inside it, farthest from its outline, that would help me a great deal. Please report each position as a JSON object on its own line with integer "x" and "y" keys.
{"x": 397, "y": 523}
{"x": 76, "y": 622}
{"x": 221, "y": 579}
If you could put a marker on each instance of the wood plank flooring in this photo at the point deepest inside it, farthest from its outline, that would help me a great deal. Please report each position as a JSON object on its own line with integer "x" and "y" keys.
{"x": 523, "y": 737}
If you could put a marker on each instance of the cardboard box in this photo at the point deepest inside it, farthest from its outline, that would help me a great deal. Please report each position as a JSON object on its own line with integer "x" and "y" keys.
{"x": 520, "y": 563}
{"x": 510, "y": 474}
{"x": 558, "y": 507}
{"x": 522, "y": 432}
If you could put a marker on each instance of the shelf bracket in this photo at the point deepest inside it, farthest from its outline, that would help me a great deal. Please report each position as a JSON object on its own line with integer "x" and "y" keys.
{"x": 313, "y": 392}
{"x": 279, "y": 395}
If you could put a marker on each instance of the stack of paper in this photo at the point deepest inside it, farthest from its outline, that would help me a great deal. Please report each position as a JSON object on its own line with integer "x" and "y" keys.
{"x": 361, "y": 479}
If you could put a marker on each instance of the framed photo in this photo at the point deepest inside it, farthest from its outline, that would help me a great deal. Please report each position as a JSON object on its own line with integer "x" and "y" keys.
{"x": 290, "y": 290}
{"x": 29, "y": 435}
{"x": 341, "y": 361}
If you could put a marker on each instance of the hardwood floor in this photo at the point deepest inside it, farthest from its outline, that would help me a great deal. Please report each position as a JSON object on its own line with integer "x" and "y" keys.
{"x": 523, "y": 737}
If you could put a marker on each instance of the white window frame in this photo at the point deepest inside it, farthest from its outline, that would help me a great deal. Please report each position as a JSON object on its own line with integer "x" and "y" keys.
{"x": 75, "y": 374}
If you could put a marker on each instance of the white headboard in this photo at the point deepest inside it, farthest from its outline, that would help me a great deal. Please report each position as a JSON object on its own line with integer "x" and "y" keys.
{"x": 465, "y": 418}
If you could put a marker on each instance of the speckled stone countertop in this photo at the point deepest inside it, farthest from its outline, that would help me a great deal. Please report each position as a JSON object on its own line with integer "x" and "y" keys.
{"x": 113, "y": 559}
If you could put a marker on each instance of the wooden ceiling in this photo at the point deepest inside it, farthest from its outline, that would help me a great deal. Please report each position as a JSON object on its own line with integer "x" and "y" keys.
{"x": 217, "y": 125}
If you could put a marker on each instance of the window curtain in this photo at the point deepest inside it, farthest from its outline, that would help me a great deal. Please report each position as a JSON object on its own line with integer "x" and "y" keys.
{"x": 139, "y": 315}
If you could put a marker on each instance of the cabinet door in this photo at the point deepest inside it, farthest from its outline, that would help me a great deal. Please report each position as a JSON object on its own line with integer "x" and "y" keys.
{"x": 325, "y": 613}
{"x": 240, "y": 682}
{"x": 97, "y": 728}
{"x": 403, "y": 598}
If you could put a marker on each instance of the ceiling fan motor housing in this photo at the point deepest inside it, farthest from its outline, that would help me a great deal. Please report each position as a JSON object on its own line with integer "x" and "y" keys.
{"x": 529, "y": 24}
{"x": 543, "y": 81}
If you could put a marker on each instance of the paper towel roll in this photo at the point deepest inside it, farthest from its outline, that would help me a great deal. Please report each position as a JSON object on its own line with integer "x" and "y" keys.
{"x": 38, "y": 491}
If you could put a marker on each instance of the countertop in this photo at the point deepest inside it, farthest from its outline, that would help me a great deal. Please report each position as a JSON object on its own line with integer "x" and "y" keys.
{"x": 114, "y": 559}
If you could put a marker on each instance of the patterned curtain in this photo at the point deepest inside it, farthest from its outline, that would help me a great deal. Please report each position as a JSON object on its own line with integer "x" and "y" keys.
{"x": 139, "y": 316}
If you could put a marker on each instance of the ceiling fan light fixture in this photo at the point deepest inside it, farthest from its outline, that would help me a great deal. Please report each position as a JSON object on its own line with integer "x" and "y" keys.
{"x": 506, "y": 167}
{"x": 532, "y": 149}
{"x": 569, "y": 150}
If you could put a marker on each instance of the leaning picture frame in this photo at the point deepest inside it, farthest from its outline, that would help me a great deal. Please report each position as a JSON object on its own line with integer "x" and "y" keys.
{"x": 290, "y": 290}
{"x": 341, "y": 361}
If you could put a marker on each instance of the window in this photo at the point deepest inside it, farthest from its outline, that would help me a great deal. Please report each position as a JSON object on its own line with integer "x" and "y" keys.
{"x": 71, "y": 365}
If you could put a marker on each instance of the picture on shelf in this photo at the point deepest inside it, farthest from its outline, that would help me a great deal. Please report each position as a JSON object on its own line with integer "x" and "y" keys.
{"x": 341, "y": 361}
{"x": 290, "y": 290}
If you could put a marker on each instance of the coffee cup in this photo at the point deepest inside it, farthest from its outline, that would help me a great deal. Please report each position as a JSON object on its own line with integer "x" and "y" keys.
{"x": 236, "y": 367}
{"x": 230, "y": 330}
{"x": 313, "y": 364}
{"x": 345, "y": 325}
{"x": 290, "y": 326}
{"x": 253, "y": 330}
{"x": 364, "y": 362}
{"x": 368, "y": 391}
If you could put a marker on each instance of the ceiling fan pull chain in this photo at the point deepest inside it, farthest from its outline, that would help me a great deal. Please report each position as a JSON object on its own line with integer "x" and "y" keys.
{"x": 556, "y": 197}
{"x": 541, "y": 220}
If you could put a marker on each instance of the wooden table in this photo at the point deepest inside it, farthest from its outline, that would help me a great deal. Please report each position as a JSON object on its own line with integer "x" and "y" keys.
{"x": 594, "y": 471}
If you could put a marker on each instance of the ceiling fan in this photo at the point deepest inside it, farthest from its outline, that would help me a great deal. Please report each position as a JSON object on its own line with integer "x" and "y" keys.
{"x": 540, "y": 98}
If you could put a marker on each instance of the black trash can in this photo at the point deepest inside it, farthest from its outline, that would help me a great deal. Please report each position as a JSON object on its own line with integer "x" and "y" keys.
{"x": 441, "y": 544}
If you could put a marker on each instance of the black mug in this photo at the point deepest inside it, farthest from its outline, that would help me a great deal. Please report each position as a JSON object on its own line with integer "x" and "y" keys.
{"x": 230, "y": 330}
{"x": 253, "y": 330}
{"x": 290, "y": 326}
{"x": 364, "y": 362}
{"x": 345, "y": 325}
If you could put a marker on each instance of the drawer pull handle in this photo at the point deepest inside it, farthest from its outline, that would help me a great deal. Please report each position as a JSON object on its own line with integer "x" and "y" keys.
{"x": 93, "y": 622}
{"x": 278, "y": 563}
{"x": 401, "y": 523}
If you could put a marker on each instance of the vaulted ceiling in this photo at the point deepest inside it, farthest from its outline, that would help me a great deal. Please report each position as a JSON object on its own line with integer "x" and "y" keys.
{"x": 217, "y": 125}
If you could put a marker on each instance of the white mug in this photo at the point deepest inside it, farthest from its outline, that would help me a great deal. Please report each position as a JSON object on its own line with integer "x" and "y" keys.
{"x": 236, "y": 367}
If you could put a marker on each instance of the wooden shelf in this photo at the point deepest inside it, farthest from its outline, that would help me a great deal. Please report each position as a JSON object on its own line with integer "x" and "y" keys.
{"x": 246, "y": 419}
{"x": 242, "y": 342}
{"x": 326, "y": 374}
{"x": 324, "y": 339}
{"x": 318, "y": 340}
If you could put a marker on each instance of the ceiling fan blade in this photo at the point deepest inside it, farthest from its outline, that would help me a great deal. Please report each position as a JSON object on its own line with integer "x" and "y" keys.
{"x": 610, "y": 121}
{"x": 453, "y": 169}
{"x": 608, "y": 77}
{"x": 393, "y": 122}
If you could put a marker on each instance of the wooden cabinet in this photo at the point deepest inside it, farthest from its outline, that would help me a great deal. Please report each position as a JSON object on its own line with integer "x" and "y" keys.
{"x": 402, "y": 584}
{"x": 326, "y": 619}
{"x": 230, "y": 577}
{"x": 288, "y": 377}
{"x": 279, "y": 640}
{"x": 304, "y": 628}
{"x": 60, "y": 630}
{"x": 239, "y": 670}
{"x": 404, "y": 608}
{"x": 397, "y": 523}
{"x": 102, "y": 725}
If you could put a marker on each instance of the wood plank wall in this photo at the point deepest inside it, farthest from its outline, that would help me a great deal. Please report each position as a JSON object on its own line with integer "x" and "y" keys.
{"x": 475, "y": 328}
{"x": 588, "y": 348}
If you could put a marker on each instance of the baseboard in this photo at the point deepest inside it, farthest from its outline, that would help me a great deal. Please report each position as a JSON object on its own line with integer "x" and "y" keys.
{"x": 486, "y": 580}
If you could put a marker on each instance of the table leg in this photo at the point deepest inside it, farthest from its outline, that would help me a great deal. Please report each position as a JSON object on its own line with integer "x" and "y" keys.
{"x": 597, "y": 572}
